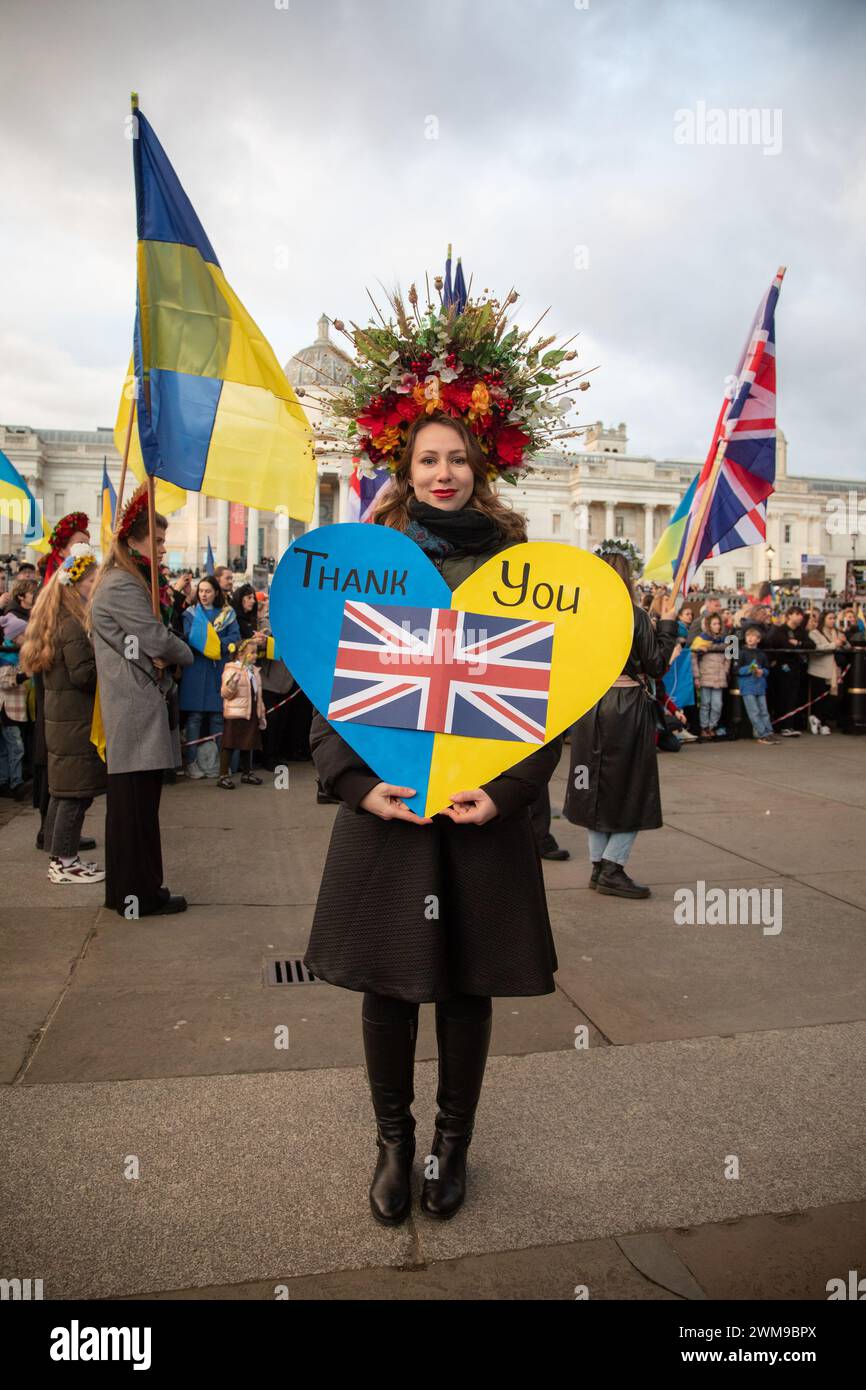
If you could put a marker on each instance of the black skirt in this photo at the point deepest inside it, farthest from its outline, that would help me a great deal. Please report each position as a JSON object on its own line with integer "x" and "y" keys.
{"x": 423, "y": 912}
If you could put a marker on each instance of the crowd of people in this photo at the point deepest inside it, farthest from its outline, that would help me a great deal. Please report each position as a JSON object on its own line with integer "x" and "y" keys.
{"x": 166, "y": 708}
{"x": 779, "y": 672}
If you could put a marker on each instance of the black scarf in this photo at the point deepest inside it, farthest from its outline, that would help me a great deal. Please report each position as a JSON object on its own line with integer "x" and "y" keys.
{"x": 440, "y": 533}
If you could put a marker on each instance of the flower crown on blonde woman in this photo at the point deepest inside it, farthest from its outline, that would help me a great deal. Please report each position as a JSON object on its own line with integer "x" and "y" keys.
{"x": 76, "y": 565}
{"x": 461, "y": 358}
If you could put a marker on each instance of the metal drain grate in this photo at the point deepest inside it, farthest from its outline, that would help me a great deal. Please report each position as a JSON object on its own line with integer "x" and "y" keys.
{"x": 289, "y": 972}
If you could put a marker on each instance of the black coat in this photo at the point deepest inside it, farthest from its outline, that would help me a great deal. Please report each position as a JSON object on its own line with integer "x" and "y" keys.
{"x": 75, "y": 769}
{"x": 615, "y": 742}
{"x": 420, "y": 912}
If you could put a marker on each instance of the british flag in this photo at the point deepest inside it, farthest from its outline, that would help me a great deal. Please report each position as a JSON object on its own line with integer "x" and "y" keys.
{"x": 442, "y": 670}
{"x": 363, "y": 492}
{"x": 736, "y": 512}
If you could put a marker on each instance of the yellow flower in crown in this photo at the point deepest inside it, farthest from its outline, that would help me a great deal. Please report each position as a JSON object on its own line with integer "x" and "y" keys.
{"x": 480, "y": 401}
{"x": 427, "y": 395}
{"x": 388, "y": 439}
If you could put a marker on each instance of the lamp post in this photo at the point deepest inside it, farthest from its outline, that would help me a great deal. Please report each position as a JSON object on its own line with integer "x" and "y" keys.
{"x": 771, "y": 555}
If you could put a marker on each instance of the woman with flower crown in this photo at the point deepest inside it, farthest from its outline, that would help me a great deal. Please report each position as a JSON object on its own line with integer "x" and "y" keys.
{"x": 613, "y": 780}
{"x": 57, "y": 648}
{"x": 134, "y": 653}
{"x": 445, "y": 406}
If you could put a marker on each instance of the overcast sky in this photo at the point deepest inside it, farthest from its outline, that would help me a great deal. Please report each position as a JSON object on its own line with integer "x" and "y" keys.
{"x": 301, "y": 137}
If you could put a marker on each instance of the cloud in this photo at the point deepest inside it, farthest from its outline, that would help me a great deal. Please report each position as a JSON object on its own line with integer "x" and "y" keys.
{"x": 303, "y": 139}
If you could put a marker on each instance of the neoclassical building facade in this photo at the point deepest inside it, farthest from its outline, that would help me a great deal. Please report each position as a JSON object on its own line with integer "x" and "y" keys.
{"x": 596, "y": 490}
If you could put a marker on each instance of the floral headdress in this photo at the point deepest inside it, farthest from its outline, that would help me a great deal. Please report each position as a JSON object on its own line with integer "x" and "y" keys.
{"x": 461, "y": 357}
{"x": 77, "y": 563}
{"x": 621, "y": 547}
{"x": 66, "y": 528}
{"x": 132, "y": 511}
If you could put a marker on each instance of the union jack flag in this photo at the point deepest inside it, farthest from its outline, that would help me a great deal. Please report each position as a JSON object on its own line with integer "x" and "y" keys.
{"x": 444, "y": 671}
{"x": 737, "y": 512}
{"x": 363, "y": 492}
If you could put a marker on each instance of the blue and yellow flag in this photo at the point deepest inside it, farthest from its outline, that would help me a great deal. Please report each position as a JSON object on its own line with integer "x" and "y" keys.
{"x": 202, "y": 635}
{"x": 20, "y": 508}
{"x": 661, "y": 565}
{"x": 216, "y": 413}
{"x": 209, "y": 561}
{"x": 109, "y": 502}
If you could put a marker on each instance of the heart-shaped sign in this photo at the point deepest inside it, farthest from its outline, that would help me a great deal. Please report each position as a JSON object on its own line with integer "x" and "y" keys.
{"x": 349, "y": 599}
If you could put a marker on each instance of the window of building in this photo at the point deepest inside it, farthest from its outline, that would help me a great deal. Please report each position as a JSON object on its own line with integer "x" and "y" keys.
{"x": 557, "y": 523}
{"x": 788, "y": 529}
{"x": 210, "y": 508}
{"x": 709, "y": 579}
{"x": 740, "y": 579}
{"x": 619, "y": 526}
{"x": 59, "y": 504}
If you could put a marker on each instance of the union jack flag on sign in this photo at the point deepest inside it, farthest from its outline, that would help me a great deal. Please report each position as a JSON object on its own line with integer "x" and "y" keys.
{"x": 444, "y": 671}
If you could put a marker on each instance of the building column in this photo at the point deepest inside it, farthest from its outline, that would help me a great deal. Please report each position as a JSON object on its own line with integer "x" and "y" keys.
{"x": 222, "y": 535}
{"x": 344, "y": 497}
{"x": 609, "y": 520}
{"x": 314, "y": 520}
{"x": 252, "y": 537}
{"x": 648, "y": 539}
{"x": 581, "y": 524}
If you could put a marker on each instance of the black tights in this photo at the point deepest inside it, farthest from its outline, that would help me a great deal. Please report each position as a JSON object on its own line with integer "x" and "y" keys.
{"x": 381, "y": 1008}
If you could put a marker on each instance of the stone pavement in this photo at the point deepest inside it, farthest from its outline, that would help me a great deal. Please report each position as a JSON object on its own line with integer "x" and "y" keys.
{"x": 602, "y": 1166}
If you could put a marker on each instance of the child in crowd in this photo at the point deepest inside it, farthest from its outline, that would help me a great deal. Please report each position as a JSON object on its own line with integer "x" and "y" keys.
{"x": 243, "y": 712}
{"x": 753, "y": 673}
{"x": 710, "y": 667}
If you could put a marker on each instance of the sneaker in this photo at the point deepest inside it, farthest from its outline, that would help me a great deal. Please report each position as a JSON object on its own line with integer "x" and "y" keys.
{"x": 790, "y": 733}
{"x": 194, "y": 771}
{"x": 814, "y": 724}
{"x": 76, "y": 872}
{"x": 767, "y": 740}
{"x": 251, "y": 778}
{"x": 685, "y": 736}
{"x": 825, "y": 728}
{"x": 226, "y": 783}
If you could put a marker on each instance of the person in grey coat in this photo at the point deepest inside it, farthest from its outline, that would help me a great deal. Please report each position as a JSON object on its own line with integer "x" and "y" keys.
{"x": 134, "y": 653}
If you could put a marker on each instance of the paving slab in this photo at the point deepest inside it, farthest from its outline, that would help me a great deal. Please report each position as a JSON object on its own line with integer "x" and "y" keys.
{"x": 251, "y": 1177}
{"x": 594, "y": 1269}
{"x": 640, "y": 977}
{"x": 786, "y": 1255}
{"x": 786, "y": 841}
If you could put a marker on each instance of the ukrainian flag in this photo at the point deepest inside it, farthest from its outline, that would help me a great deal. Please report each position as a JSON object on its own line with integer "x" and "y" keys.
{"x": 203, "y": 636}
{"x": 109, "y": 503}
{"x": 19, "y": 507}
{"x": 661, "y": 565}
{"x": 216, "y": 413}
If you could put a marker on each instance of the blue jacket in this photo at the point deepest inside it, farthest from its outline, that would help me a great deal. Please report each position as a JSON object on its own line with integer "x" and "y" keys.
{"x": 200, "y": 682}
{"x": 753, "y": 683}
{"x": 679, "y": 681}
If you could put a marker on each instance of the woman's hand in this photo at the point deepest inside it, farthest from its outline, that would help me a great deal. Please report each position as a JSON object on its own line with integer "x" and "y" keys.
{"x": 669, "y": 607}
{"x": 158, "y": 662}
{"x": 385, "y": 801}
{"x": 471, "y": 808}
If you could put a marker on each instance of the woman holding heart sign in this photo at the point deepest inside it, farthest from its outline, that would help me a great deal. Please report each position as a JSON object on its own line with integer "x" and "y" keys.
{"x": 448, "y": 909}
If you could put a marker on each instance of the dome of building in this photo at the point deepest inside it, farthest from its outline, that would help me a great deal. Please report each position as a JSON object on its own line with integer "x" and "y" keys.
{"x": 322, "y": 364}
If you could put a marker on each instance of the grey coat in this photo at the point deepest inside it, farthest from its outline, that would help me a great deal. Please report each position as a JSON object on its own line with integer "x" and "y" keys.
{"x": 134, "y": 710}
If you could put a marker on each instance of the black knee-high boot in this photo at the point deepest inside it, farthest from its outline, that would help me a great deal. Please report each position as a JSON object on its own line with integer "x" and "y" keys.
{"x": 389, "y": 1049}
{"x": 463, "y": 1047}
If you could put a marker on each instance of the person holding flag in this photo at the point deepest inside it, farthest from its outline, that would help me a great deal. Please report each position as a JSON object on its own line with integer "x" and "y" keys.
{"x": 211, "y": 628}
{"x": 134, "y": 650}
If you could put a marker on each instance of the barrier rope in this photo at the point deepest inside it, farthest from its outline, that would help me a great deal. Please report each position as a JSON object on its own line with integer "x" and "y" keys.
{"x": 212, "y": 738}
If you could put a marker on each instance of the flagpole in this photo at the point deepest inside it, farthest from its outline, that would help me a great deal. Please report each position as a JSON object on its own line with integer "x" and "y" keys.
{"x": 118, "y": 506}
{"x": 151, "y": 526}
{"x": 695, "y": 531}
